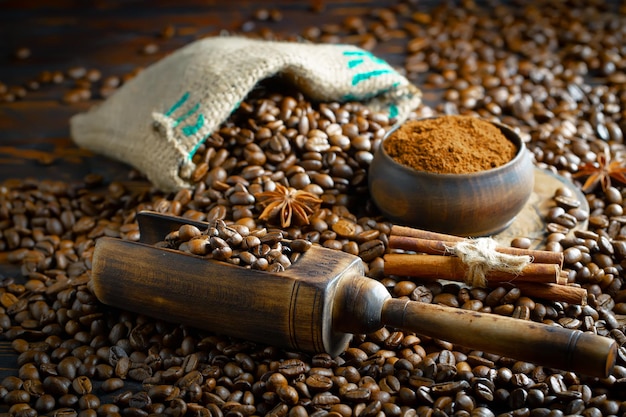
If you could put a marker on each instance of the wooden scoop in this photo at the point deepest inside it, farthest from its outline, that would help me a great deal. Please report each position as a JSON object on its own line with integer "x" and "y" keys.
{"x": 315, "y": 305}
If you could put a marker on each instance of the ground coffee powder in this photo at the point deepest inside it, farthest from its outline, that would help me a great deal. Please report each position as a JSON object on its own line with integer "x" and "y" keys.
{"x": 450, "y": 145}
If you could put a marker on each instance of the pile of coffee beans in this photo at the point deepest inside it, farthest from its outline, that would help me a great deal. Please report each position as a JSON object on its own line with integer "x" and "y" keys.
{"x": 552, "y": 71}
{"x": 256, "y": 249}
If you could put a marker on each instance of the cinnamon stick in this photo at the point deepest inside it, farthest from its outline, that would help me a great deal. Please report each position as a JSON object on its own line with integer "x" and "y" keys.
{"x": 423, "y": 234}
{"x": 453, "y": 269}
{"x": 546, "y": 290}
{"x": 561, "y": 280}
{"x": 433, "y": 243}
{"x": 553, "y": 292}
{"x": 440, "y": 247}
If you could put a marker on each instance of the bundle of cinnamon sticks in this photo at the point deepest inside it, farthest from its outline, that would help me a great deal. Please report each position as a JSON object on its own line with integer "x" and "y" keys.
{"x": 429, "y": 257}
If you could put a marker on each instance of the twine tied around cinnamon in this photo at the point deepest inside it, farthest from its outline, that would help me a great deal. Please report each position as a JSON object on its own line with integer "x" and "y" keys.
{"x": 480, "y": 257}
{"x": 427, "y": 260}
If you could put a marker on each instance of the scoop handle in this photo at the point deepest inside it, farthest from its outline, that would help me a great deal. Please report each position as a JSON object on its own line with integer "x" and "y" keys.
{"x": 552, "y": 346}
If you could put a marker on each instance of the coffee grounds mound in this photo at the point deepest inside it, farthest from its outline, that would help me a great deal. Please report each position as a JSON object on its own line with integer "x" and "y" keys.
{"x": 450, "y": 145}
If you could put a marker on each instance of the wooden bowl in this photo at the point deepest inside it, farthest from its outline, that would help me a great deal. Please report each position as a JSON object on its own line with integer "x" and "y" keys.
{"x": 474, "y": 204}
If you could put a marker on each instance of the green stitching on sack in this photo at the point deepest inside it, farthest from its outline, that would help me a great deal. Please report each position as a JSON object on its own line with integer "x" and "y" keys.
{"x": 366, "y": 54}
{"x": 367, "y": 75}
{"x": 195, "y": 148}
{"x": 189, "y": 129}
{"x": 179, "y": 103}
{"x": 393, "y": 111}
{"x": 363, "y": 76}
{"x": 192, "y": 129}
{"x": 186, "y": 115}
{"x": 354, "y": 63}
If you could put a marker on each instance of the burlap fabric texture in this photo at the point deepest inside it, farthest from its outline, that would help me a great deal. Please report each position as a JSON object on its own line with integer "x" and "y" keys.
{"x": 157, "y": 121}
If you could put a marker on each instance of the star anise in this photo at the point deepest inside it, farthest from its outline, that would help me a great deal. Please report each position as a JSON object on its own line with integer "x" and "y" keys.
{"x": 602, "y": 171}
{"x": 286, "y": 205}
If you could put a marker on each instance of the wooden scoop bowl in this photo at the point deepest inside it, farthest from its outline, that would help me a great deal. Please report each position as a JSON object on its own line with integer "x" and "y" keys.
{"x": 314, "y": 306}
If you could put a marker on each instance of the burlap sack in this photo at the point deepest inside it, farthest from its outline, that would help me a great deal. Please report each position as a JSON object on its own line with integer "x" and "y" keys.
{"x": 158, "y": 120}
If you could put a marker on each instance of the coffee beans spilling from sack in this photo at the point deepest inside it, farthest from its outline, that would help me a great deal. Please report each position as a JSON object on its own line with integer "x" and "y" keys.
{"x": 197, "y": 87}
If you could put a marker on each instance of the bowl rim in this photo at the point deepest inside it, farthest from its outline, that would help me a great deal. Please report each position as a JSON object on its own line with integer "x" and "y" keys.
{"x": 519, "y": 155}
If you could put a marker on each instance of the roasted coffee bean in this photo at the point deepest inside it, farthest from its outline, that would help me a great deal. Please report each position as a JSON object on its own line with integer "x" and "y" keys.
{"x": 448, "y": 388}
{"x": 325, "y": 400}
{"x": 292, "y": 367}
{"x": 112, "y": 384}
{"x": 422, "y": 294}
{"x": 372, "y": 249}
{"x": 82, "y": 385}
